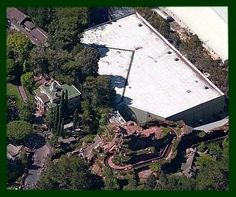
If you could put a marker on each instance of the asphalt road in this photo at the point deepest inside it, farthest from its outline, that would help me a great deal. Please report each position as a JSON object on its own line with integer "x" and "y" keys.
{"x": 40, "y": 158}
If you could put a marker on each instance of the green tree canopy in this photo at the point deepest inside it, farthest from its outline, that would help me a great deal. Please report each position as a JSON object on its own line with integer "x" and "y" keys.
{"x": 28, "y": 82}
{"x": 69, "y": 173}
{"x": 39, "y": 60}
{"x": 14, "y": 70}
{"x": 110, "y": 181}
{"x": 18, "y": 130}
{"x": 99, "y": 90}
{"x": 42, "y": 17}
{"x": 26, "y": 113}
{"x": 65, "y": 29}
{"x": 18, "y": 46}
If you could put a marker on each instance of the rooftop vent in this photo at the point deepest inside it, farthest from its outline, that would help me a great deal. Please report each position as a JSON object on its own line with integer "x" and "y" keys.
{"x": 140, "y": 25}
{"x": 206, "y": 87}
{"x": 207, "y": 74}
{"x": 176, "y": 59}
{"x": 188, "y": 91}
{"x": 169, "y": 52}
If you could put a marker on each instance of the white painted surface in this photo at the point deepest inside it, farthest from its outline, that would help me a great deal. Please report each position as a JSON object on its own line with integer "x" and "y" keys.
{"x": 157, "y": 83}
{"x": 115, "y": 63}
{"x": 209, "y": 23}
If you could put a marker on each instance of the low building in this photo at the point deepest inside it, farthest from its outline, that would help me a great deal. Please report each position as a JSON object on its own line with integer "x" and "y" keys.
{"x": 49, "y": 95}
{"x": 24, "y": 23}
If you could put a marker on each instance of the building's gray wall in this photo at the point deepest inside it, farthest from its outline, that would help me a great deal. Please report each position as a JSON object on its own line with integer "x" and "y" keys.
{"x": 204, "y": 112}
{"x": 132, "y": 113}
{"x": 143, "y": 116}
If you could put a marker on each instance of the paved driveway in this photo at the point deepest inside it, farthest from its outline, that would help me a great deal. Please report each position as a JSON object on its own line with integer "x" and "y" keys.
{"x": 40, "y": 159}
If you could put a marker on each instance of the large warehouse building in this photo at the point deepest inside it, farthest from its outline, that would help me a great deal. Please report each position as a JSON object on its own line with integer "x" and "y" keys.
{"x": 150, "y": 76}
{"x": 209, "y": 23}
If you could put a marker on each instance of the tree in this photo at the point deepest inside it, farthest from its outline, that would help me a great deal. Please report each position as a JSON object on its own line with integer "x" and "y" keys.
{"x": 155, "y": 167}
{"x": 42, "y": 17}
{"x": 151, "y": 182}
{"x": 204, "y": 160}
{"x": 89, "y": 118}
{"x": 69, "y": 173}
{"x": 212, "y": 174}
{"x": 24, "y": 158}
{"x": 212, "y": 177}
{"x": 66, "y": 105}
{"x": 38, "y": 60}
{"x": 13, "y": 71}
{"x": 201, "y": 147}
{"x": 18, "y": 46}
{"x": 156, "y": 21}
{"x": 75, "y": 119}
{"x": 132, "y": 183}
{"x": 27, "y": 81}
{"x": 110, "y": 181}
{"x": 25, "y": 113}
{"x": 12, "y": 111}
{"x": 215, "y": 150}
{"x": 18, "y": 130}
{"x": 50, "y": 118}
{"x": 56, "y": 118}
{"x": 15, "y": 170}
{"x": 88, "y": 62}
{"x": 99, "y": 90}
{"x": 61, "y": 113}
{"x": 64, "y": 30}
{"x": 61, "y": 132}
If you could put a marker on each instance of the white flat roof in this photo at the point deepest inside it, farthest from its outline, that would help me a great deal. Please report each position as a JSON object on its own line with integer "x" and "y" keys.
{"x": 209, "y": 23}
{"x": 118, "y": 61}
{"x": 157, "y": 83}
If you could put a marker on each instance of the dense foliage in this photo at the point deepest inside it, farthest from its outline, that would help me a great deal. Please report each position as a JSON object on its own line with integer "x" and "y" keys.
{"x": 18, "y": 130}
{"x": 42, "y": 17}
{"x": 212, "y": 173}
{"x": 70, "y": 174}
{"x": 18, "y": 46}
{"x": 64, "y": 31}
{"x": 27, "y": 80}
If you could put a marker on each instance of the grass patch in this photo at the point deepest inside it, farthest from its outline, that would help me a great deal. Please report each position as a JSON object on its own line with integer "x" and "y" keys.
{"x": 13, "y": 91}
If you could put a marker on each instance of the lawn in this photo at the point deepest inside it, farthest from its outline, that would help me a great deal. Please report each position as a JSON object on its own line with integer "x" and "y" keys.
{"x": 12, "y": 91}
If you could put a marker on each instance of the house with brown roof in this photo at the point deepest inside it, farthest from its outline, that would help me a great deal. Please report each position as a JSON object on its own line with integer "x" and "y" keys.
{"x": 24, "y": 23}
{"x": 16, "y": 16}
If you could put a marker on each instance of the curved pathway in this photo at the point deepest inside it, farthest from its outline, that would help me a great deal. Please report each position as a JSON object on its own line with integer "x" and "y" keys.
{"x": 164, "y": 154}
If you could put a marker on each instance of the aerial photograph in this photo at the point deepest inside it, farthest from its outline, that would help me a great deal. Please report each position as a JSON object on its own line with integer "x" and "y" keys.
{"x": 117, "y": 98}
